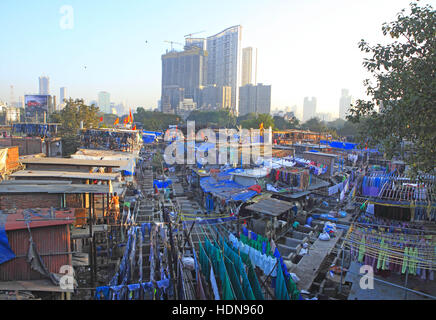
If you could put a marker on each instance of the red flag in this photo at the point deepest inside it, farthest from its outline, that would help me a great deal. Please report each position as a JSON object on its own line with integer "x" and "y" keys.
{"x": 126, "y": 120}
{"x": 134, "y": 127}
{"x": 101, "y": 119}
{"x": 117, "y": 121}
{"x": 130, "y": 116}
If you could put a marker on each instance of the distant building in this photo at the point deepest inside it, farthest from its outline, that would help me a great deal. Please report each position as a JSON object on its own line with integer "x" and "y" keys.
{"x": 195, "y": 42}
{"x": 324, "y": 116}
{"x": 187, "y": 105}
{"x": 255, "y": 99}
{"x": 182, "y": 74}
{"x": 249, "y": 66}
{"x": 44, "y": 85}
{"x": 93, "y": 102}
{"x": 104, "y": 102}
{"x": 344, "y": 104}
{"x": 214, "y": 97}
{"x": 309, "y": 108}
{"x": 62, "y": 97}
{"x": 223, "y": 61}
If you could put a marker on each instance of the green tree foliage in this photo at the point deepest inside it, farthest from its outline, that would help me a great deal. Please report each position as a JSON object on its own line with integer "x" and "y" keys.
{"x": 73, "y": 113}
{"x": 315, "y": 125}
{"x": 403, "y": 89}
{"x": 108, "y": 120}
{"x": 254, "y": 121}
{"x": 70, "y": 117}
{"x": 218, "y": 119}
{"x": 153, "y": 120}
{"x": 283, "y": 124}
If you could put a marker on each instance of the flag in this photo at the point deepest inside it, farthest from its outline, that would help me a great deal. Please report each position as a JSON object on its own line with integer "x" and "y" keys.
{"x": 101, "y": 119}
{"x": 134, "y": 127}
{"x": 117, "y": 121}
{"x": 126, "y": 120}
{"x": 130, "y": 116}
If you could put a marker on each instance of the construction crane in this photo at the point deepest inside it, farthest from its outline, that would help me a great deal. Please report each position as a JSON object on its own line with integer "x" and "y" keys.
{"x": 191, "y": 34}
{"x": 173, "y": 42}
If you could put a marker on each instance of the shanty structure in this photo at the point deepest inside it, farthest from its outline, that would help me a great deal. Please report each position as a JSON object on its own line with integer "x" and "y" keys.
{"x": 271, "y": 207}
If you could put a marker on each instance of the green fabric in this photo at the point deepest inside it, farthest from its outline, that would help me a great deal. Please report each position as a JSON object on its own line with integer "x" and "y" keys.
{"x": 252, "y": 277}
{"x": 204, "y": 262}
{"x": 220, "y": 269}
{"x": 234, "y": 279}
{"x": 281, "y": 289}
{"x": 227, "y": 287}
{"x": 405, "y": 260}
{"x": 257, "y": 244}
{"x": 361, "y": 250}
{"x": 240, "y": 270}
{"x": 292, "y": 289}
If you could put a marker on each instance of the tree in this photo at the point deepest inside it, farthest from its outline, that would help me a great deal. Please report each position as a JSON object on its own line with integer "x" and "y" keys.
{"x": 70, "y": 117}
{"x": 220, "y": 118}
{"x": 404, "y": 90}
{"x": 254, "y": 121}
{"x": 283, "y": 124}
{"x": 156, "y": 120}
{"x": 314, "y": 124}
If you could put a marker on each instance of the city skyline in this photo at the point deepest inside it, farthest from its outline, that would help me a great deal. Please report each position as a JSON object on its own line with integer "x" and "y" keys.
{"x": 298, "y": 58}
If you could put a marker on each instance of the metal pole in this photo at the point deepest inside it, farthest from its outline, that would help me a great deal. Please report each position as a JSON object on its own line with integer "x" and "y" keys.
{"x": 90, "y": 257}
{"x": 405, "y": 283}
{"x": 342, "y": 271}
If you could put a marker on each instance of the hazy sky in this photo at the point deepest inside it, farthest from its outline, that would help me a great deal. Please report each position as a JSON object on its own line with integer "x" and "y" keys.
{"x": 305, "y": 48}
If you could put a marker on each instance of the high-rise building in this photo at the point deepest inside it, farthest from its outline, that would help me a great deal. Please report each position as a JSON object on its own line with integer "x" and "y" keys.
{"x": 249, "y": 66}
{"x": 309, "y": 108}
{"x": 344, "y": 103}
{"x": 62, "y": 97}
{"x": 195, "y": 42}
{"x": 104, "y": 102}
{"x": 255, "y": 99}
{"x": 223, "y": 61}
{"x": 214, "y": 97}
{"x": 183, "y": 71}
{"x": 44, "y": 85}
{"x": 324, "y": 116}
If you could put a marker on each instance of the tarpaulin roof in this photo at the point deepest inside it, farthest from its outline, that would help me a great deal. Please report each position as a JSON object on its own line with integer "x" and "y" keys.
{"x": 227, "y": 189}
{"x": 156, "y": 133}
{"x": 339, "y": 144}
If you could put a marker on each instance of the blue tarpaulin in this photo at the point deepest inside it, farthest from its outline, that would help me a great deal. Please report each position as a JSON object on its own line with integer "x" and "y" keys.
{"x": 339, "y": 144}
{"x": 162, "y": 184}
{"x": 6, "y": 252}
{"x": 227, "y": 189}
{"x": 156, "y": 133}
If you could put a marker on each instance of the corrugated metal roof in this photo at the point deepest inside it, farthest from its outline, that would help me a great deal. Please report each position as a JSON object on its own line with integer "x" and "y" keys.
{"x": 53, "y": 245}
{"x": 76, "y": 162}
{"x": 66, "y": 174}
{"x": 16, "y": 221}
{"x": 58, "y": 188}
{"x": 270, "y": 206}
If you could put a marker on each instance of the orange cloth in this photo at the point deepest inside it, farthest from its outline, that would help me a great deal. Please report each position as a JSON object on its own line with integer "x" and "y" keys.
{"x": 116, "y": 200}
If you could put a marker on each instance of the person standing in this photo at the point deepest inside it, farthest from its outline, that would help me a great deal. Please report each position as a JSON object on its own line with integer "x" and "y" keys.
{"x": 115, "y": 205}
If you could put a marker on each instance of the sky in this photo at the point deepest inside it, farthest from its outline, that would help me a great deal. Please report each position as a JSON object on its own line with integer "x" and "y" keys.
{"x": 305, "y": 48}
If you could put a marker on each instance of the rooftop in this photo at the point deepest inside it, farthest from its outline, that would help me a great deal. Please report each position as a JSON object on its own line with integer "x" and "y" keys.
{"x": 54, "y": 188}
{"x": 271, "y": 207}
{"x": 64, "y": 174}
{"x": 75, "y": 162}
